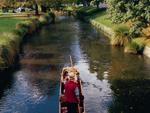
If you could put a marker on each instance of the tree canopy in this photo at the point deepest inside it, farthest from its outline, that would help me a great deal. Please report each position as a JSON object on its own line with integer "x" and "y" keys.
{"x": 136, "y": 11}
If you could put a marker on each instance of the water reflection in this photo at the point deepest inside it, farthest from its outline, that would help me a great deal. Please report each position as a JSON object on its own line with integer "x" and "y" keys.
{"x": 130, "y": 96}
{"x": 6, "y": 82}
{"x": 112, "y": 79}
{"x": 113, "y": 82}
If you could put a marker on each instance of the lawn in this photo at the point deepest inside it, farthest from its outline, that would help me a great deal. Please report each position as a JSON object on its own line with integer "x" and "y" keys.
{"x": 99, "y": 15}
{"x": 7, "y": 24}
{"x": 102, "y": 17}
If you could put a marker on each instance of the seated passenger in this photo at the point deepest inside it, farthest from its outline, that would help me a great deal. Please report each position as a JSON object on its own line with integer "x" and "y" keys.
{"x": 71, "y": 93}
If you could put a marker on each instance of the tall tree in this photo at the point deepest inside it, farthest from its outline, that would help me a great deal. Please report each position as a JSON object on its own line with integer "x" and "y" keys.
{"x": 137, "y": 11}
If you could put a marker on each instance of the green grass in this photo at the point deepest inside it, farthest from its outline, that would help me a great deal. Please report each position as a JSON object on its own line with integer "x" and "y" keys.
{"x": 142, "y": 41}
{"x": 88, "y": 10}
{"x": 102, "y": 17}
{"x": 99, "y": 15}
{"x": 70, "y": 8}
{"x": 8, "y": 24}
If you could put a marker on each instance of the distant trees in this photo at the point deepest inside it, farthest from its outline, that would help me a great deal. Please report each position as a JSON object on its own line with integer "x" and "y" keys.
{"x": 44, "y": 4}
{"x": 136, "y": 11}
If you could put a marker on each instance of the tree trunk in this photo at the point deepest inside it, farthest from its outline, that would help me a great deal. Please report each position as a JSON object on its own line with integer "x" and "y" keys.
{"x": 36, "y": 9}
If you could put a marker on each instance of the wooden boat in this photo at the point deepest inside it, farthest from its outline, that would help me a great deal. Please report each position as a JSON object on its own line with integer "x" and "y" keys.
{"x": 62, "y": 104}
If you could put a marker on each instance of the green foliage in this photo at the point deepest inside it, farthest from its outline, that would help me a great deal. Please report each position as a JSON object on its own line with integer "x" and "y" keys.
{"x": 21, "y": 25}
{"x": 134, "y": 46}
{"x": 87, "y": 11}
{"x": 69, "y": 8}
{"x": 121, "y": 36}
{"x": 137, "y": 11}
{"x": 8, "y": 24}
{"x": 122, "y": 29}
{"x": 43, "y": 19}
{"x": 10, "y": 41}
{"x": 102, "y": 17}
{"x": 9, "y": 47}
{"x": 21, "y": 32}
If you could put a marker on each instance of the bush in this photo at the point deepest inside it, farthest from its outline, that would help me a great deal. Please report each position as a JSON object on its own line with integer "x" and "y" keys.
{"x": 136, "y": 11}
{"x": 121, "y": 36}
{"x": 134, "y": 47}
{"x": 32, "y": 26}
{"x": 28, "y": 25}
{"x": 22, "y": 25}
{"x": 9, "y": 47}
{"x": 86, "y": 11}
{"x": 21, "y": 32}
{"x": 10, "y": 42}
{"x": 45, "y": 19}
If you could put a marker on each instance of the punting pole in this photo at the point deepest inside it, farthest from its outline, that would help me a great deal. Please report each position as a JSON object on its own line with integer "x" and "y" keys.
{"x": 71, "y": 61}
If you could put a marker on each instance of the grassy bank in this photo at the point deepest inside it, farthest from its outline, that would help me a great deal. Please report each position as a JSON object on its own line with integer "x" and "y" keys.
{"x": 8, "y": 24}
{"x": 118, "y": 33}
{"x": 13, "y": 30}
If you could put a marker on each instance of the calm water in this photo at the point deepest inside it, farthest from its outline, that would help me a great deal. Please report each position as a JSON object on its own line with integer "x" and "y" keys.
{"x": 113, "y": 82}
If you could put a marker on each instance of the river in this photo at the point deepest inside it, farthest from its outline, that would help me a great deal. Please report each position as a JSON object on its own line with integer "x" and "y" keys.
{"x": 113, "y": 82}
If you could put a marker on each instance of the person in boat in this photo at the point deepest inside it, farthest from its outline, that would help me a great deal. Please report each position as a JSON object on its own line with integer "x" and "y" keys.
{"x": 71, "y": 93}
{"x": 65, "y": 77}
{"x": 67, "y": 70}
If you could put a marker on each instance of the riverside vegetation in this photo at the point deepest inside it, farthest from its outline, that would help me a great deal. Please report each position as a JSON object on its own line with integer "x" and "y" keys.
{"x": 14, "y": 30}
{"x": 122, "y": 30}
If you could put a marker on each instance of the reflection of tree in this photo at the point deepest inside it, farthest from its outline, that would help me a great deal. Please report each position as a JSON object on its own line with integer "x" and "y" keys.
{"x": 127, "y": 74}
{"x": 97, "y": 52}
{"x": 130, "y": 96}
{"x": 126, "y": 66}
{"x": 6, "y": 81}
{"x": 128, "y": 83}
{"x": 45, "y": 54}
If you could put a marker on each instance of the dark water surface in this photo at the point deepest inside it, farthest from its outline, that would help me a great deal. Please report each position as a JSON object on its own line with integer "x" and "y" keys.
{"x": 113, "y": 82}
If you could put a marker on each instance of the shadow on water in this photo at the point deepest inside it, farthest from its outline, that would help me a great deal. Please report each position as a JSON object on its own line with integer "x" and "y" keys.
{"x": 6, "y": 81}
{"x": 130, "y": 96}
{"x": 113, "y": 82}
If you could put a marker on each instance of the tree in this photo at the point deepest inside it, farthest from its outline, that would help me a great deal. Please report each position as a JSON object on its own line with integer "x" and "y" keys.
{"x": 137, "y": 11}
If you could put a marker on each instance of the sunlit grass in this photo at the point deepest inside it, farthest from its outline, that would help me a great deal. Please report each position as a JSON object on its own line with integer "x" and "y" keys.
{"x": 8, "y": 24}
{"x": 142, "y": 40}
{"x": 103, "y": 18}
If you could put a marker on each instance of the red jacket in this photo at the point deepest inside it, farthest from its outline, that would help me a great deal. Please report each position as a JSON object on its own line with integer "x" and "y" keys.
{"x": 70, "y": 95}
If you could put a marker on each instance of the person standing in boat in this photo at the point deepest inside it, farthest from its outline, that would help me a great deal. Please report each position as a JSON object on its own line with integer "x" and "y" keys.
{"x": 71, "y": 93}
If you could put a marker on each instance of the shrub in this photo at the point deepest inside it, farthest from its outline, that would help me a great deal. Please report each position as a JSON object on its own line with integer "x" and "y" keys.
{"x": 45, "y": 19}
{"x": 22, "y": 25}
{"x": 121, "y": 36}
{"x": 28, "y": 25}
{"x": 21, "y": 32}
{"x": 10, "y": 42}
{"x": 136, "y": 11}
{"x": 134, "y": 47}
{"x": 32, "y": 26}
{"x": 86, "y": 11}
{"x": 9, "y": 47}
